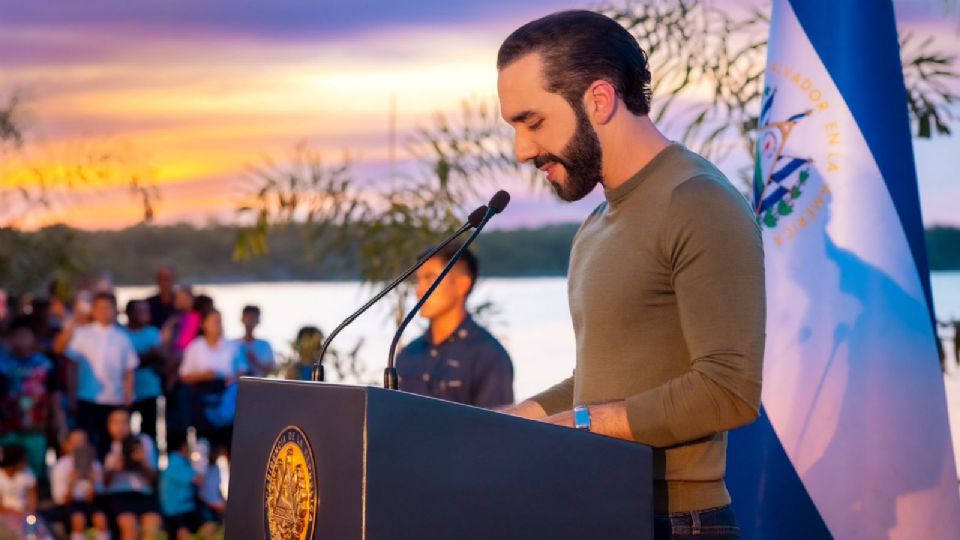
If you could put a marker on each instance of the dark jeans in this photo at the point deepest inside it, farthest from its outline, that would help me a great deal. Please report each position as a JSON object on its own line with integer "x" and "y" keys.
{"x": 148, "y": 414}
{"x": 92, "y": 418}
{"x": 178, "y": 412}
{"x": 709, "y": 524}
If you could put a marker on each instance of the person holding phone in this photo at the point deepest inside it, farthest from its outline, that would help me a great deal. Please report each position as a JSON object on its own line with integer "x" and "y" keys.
{"x": 130, "y": 471}
{"x": 76, "y": 480}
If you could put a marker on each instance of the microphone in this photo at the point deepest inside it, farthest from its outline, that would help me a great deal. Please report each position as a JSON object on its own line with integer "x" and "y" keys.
{"x": 497, "y": 203}
{"x": 475, "y": 219}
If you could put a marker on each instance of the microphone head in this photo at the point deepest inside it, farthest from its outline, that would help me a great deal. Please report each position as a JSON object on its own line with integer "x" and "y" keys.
{"x": 499, "y": 201}
{"x": 477, "y": 215}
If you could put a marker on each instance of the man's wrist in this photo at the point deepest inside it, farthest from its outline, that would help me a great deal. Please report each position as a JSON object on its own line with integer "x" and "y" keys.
{"x": 525, "y": 409}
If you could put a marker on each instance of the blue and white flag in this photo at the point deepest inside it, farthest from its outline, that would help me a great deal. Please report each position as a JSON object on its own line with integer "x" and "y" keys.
{"x": 854, "y": 441}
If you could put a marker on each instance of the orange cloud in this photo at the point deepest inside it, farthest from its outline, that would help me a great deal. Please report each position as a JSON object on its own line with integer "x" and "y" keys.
{"x": 202, "y": 110}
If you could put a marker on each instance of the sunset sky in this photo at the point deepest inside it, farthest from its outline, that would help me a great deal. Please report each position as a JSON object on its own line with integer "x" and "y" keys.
{"x": 203, "y": 90}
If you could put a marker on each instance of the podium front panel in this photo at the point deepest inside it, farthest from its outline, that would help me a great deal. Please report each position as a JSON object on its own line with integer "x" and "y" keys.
{"x": 332, "y": 419}
{"x": 388, "y": 465}
{"x": 439, "y": 470}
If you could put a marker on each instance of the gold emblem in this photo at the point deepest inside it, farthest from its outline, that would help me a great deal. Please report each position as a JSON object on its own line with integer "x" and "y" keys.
{"x": 290, "y": 490}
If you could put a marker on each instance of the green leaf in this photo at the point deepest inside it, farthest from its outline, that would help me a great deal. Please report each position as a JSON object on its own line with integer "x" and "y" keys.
{"x": 770, "y": 220}
{"x": 784, "y": 208}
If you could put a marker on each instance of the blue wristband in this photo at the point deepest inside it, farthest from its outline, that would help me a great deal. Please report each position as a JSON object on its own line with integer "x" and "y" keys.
{"x": 581, "y": 417}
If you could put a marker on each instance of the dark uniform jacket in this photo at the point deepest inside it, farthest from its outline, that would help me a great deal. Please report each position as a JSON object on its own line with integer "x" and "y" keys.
{"x": 469, "y": 367}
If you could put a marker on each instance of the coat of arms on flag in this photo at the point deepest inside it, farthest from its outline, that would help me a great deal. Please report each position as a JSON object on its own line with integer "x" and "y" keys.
{"x": 778, "y": 177}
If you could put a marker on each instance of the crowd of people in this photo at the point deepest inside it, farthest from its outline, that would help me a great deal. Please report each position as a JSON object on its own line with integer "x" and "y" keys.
{"x": 83, "y": 450}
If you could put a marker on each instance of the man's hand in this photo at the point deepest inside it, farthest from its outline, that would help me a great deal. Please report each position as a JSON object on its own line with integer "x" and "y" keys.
{"x": 525, "y": 409}
{"x": 564, "y": 419}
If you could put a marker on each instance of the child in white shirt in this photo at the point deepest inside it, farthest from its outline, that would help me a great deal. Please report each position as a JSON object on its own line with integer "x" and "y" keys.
{"x": 18, "y": 486}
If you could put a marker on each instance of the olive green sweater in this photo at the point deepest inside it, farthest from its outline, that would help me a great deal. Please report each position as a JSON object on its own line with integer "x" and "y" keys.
{"x": 666, "y": 290}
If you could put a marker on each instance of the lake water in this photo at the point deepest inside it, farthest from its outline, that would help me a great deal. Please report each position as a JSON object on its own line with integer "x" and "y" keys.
{"x": 532, "y": 319}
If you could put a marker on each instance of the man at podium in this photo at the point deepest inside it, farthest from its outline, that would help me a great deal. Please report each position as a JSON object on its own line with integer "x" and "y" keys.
{"x": 666, "y": 279}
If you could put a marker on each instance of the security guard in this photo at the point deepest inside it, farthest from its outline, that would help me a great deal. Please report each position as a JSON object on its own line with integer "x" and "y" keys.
{"x": 456, "y": 359}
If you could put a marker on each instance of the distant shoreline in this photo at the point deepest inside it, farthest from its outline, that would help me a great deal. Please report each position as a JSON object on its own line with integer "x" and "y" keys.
{"x": 225, "y": 282}
{"x": 205, "y": 255}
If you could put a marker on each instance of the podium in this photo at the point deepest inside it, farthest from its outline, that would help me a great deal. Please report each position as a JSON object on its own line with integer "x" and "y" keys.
{"x": 327, "y": 461}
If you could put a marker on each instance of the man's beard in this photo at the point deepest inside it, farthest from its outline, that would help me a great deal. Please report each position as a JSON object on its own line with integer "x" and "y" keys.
{"x": 581, "y": 158}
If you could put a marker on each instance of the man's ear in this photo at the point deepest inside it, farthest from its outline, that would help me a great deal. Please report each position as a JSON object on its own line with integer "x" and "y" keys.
{"x": 463, "y": 283}
{"x": 600, "y": 102}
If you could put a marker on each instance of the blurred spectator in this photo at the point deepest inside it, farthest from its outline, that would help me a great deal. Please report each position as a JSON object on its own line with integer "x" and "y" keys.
{"x": 46, "y": 327}
{"x": 202, "y": 305}
{"x": 181, "y": 330}
{"x": 75, "y": 481}
{"x": 18, "y": 486}
{"x": 162, "y": 304}
{"x": 256, "y": 354}
{"x": 60, "y": 291}
{"x": 178, "y": 491}
{"x": 27, "y": 397}
{"x": 210, "y": 366}
{"x": 456, "y": 359}
{"x": 66, "y": 370}
{"x": 306, "y": 347}
{"x": 58, "y": 314}
{"x": 105, "y": 360}
{"x": 176, "y": 335}
{"x": 146, "y": 379}
{"x": 190, "y": 323}
{"x": 130, "y": 470}
{"x": 211, "y": 497}
{"x": 210, "y": 357}
{"x": 78, "y": 316}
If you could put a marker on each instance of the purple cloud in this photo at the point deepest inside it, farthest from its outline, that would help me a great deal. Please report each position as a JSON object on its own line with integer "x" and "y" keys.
{"x": 282, "y": 19}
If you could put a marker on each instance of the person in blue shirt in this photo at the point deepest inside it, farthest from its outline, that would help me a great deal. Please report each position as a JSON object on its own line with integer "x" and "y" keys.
{"x": 28, "y": 397}
{"x": 256, "y": 354}
{"x": 211, "y": 501}
{"x": 456, "y": 359}
{"x": 178, "y": 490}
{"x": 147, "y": 386}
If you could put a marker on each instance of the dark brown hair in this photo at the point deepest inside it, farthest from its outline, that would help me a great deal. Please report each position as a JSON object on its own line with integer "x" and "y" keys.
{"x": 109, "y": 297}
{"x": 467, "y": 258}
{"x": 579, "y": 47}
